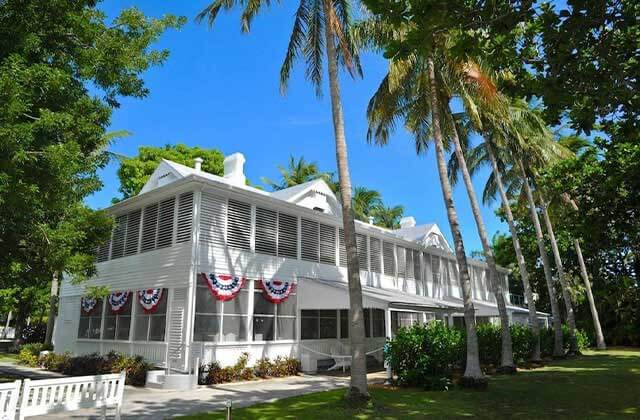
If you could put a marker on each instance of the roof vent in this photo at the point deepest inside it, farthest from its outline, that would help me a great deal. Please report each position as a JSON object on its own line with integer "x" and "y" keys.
{"x": 234, "y": 169}
{"x": 198, "y": 163}
{"x": 407, "y": 222}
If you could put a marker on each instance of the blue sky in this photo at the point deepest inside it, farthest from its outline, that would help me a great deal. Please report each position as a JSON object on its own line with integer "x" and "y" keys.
{"x": 219, "y": 89}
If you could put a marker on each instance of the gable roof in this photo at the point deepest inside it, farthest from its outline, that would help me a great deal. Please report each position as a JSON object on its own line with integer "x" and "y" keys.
{"x": 429, "y": 235}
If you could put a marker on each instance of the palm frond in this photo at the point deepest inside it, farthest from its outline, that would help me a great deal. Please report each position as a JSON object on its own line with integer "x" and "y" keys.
{"x": 295, "y": 44}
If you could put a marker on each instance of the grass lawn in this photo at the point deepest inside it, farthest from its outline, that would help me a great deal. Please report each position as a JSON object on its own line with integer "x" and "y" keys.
{"x": 595, "y": 385}
{"x": 8, "y": 357}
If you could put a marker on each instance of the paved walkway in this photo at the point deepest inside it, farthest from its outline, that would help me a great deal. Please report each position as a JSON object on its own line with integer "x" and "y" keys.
{"x": 140, "y": 403}
{"x": 24, "y": 372}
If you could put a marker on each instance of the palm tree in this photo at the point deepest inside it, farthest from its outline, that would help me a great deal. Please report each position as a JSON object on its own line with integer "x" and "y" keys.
{"x": 412, "y": 91}
{"x": 388, "y": 217}
{"x": 323, "y": 27}
{"x": 475, "y": 158}
{"x": 600, "y": 343}
{"x": 365, "y": 201}
{"x": 297, "y": 172}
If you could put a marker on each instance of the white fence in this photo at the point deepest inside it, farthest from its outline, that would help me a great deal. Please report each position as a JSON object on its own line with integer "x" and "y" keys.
{"x": 9, "y": 394}
{"x": 68, "y": 394}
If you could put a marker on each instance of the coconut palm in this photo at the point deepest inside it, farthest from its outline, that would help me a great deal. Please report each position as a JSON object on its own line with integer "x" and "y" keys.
{"x": 322, "y": 31}
{"x": 298, "y": 171}
{"x": 600, "y": 343}
{"x": 412, "y": 91}
{"x": 387, "y": 216}
{"x": 365, "y": 201}
{"x": 476, "y": 157}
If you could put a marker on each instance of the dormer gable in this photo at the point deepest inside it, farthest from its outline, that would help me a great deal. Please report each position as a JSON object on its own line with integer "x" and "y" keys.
{"x": 166, "y": 173}
{"x": 315, "y": 195}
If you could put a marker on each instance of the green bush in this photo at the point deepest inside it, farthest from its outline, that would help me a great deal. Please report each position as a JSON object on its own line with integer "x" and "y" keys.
{"x": 422, "y": 354}
{"x": 522, "y": 342}
{"x": 56, "y": 362}
{"x": 213, "y": 373}
{"x": 135, "y": 366}
{"x": 547, "y": 339}
{"x": 280, "y": 367}
{"x": 29, "y": 354}
{"x": 489, "y": 343}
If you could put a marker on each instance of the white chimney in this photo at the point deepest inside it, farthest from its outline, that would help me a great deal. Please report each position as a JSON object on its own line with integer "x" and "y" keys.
{"x": 198, "y": 163}
{"x": 234, "y": 169}
{"x": 407, "y": 222}
{"x": 370, "y": 220}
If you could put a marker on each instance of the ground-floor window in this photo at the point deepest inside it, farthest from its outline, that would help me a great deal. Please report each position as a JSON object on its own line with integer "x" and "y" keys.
{"x": 404, "y": 319}
{"x": 90, "y": 318}
{"x": 117, "y": 323}
{"x": 332, "y": 323}
{"x": 273, "y": 321}
{"x": 151, "y": 326}
{"x": 247, "y": 316}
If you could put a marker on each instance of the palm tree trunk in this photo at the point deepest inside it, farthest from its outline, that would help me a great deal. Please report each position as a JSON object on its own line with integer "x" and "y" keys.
{"x": 358, "y": 386}
{"x": 566, "y": 295}
{"x": 601, "y": 345}
{"x": 472, "y": 370}
{"x": 506, "y": 363}
{"x": 522, "y": 266}
{"x": 53, "y": 310}
{"x": 558, "y": 346}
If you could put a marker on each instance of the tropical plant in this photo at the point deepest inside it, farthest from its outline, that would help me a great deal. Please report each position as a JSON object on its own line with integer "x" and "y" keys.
{"x": 387, "y": 216}
{"x": 298, "y": 171}
{"x": 365, "y": 203}
{"x": 323, "y": 28}
{"x": 413, "y": 91}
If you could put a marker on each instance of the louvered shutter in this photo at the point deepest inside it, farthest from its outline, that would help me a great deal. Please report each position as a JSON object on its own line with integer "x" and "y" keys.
{"x": 363, "y": 252}
{"x": 239, "y": 225}
{"x": 149, "y": 226}
{"x": 213, "y": 215}
{"x": 342, "y": 248}
{"x": 185, "y": 217}
{"x": 133, "y": 232}
{"x": 389, "y": 259}
{"x": 310, "y": 232}
{"x": 287, "y": 236}
{"x": 327, "y": 244}
{"x": 409, "y": 266}
{"x": 402, "y": 262}
{"x": 435, "y": 269}
{"x": 266, "y": 231}
{"x": 375, "y": 255}
{"x": 416, "y": 265}
{"x": 117, "y": 241}
{"x": 165, "y": 223}
{"x": 103, "y": 251}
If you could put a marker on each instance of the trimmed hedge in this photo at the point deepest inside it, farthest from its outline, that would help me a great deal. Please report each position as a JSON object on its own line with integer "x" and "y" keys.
{"x": 426, "y": 355}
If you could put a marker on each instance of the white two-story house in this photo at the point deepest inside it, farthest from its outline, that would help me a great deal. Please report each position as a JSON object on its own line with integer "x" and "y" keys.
{"x": 203, "y": 266}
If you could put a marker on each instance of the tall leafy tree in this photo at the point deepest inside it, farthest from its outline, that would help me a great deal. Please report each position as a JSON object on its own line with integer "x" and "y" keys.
{"x": 135, "y": 171}
{"x": 52, "y": 127}
{"x": 322, "y": 31}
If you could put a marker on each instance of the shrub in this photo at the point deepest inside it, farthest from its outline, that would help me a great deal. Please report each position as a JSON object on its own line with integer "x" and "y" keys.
{"x": 29, "y": 354}
{"x": 56, "y": 362}
{"x": 135, "y": 366}
{"x": 213, "y": 373}
{"x": 547, "y": 339}
{"x": 285, "y": 366}
{"x": 263, "y": 367}
{"x": 420, "y": 353}
{"x": 522, "y": 342}
{"x": 489, "y": 343}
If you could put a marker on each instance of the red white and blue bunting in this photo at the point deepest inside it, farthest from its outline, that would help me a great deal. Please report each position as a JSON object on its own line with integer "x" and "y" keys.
{"x": 223, "y": 286}
{"x": 150, "y": 299}
{"x": 88, "y": 304}
{"x": 276, "y": 291}
{"x": 118, "y": 301}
